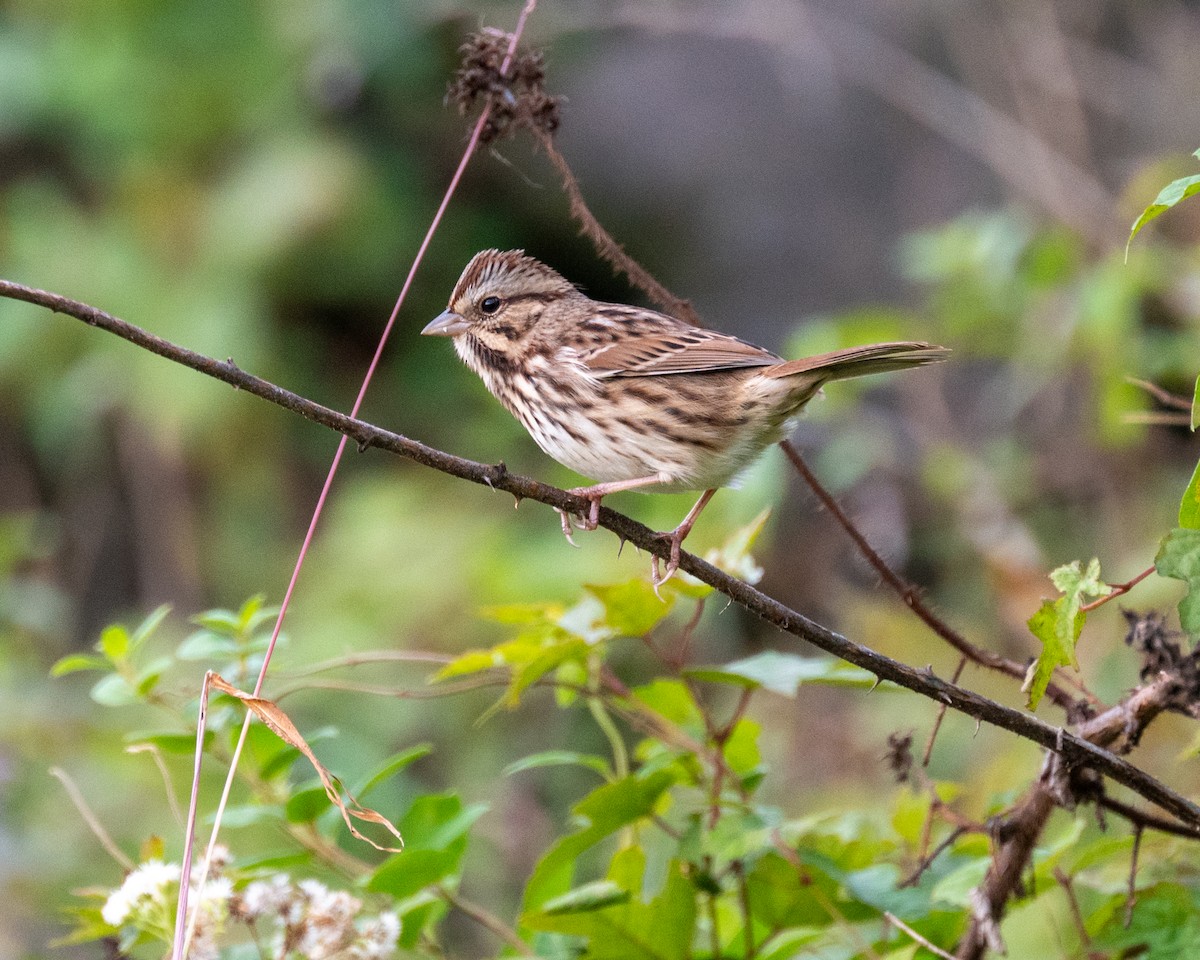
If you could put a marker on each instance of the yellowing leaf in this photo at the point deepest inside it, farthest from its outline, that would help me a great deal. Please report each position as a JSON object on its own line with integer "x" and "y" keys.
{"x": 281, "y": 725}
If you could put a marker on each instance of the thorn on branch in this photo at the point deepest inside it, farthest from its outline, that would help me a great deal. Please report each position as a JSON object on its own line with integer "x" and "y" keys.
{"x": 495, "y": 474}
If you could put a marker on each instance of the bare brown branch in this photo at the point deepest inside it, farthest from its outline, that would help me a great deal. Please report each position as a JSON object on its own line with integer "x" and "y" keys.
{"x": 1076, "y": 751}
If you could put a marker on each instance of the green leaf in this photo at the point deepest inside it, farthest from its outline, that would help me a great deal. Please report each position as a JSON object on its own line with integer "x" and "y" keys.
{"x": 435, "y": 832}
{"x": 304, "y": 806}
{"x": 113, "y": 691}
{"x": 1179, "y": 558}
{"x": 1058, "y": 623}
{"x": 1189, "y": 505}
{"x": 207, "y": 645}
{"x": 784, "y": 673}
{"x": 249, "y": 815}
{"x": 74, "y": 662}
{"x": 147, "y": 627}
{"x": 673, "y": 700}
{"x": 1058, "y": 636}
{"x": 393, "y": 765}
{"x": 114, "y": 643}
{"x": 1174, "y": 192}
{"x": 170, "y": 741}
{"x": 602, "y": 812}
{"x": 557, "y": 758}
{"x": 632, "y": 609}
{"x": 224, "y": 622}
{"x": 411, "y": 871}
{"x": 473, "y": 661}
{"x": 741, "y": 749}
{"x": 437, "y": 820}
{"x": 1196, "y": 405}
{"x": 627, "y": 928}
{"x": 591, "y": 896}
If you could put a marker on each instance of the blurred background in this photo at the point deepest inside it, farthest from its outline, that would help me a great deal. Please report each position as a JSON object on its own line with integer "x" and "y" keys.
{"x": 251, "y": 179}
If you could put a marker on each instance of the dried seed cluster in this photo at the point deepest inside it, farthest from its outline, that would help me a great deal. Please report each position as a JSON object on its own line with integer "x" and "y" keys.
{"x": 517, "y": 99}
{"x": 1162, "y": 653}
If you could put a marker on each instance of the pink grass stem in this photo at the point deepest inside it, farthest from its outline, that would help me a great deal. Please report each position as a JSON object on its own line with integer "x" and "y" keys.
{"x": 183, "y": 930}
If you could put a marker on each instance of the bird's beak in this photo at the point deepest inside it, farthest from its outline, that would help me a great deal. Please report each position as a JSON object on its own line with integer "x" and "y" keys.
{"x": 446, "y": 324}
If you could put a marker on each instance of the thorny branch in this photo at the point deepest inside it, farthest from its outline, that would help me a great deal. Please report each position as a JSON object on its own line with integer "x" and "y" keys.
{"x": 1172, "y": 682}
{"x": 1074, "y": 750}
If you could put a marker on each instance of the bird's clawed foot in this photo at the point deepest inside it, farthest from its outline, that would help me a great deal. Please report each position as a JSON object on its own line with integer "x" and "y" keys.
{"x": 675, "y": 539}
{"x": 586, "y": 521}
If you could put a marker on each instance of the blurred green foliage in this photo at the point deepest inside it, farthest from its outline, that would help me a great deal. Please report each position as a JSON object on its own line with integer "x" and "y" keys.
{"x": 250, "y": 180}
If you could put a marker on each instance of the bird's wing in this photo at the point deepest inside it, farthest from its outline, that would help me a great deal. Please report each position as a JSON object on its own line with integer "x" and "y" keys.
{"x": 687, "y": 350}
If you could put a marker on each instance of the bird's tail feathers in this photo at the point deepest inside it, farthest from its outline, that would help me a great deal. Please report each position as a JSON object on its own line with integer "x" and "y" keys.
{"x": 861, "y": 361}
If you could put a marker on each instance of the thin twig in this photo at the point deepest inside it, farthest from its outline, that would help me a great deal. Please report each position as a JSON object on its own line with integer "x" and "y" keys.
{"x": 161, "y": 764}
{"x": 90, "y": 818}
{"x": 1118, "y": 589}
{"x": 603, "y": 241}
{"x": 1075, "y": 749}
{"x": 905, "y": 928}
{"x": 486, "y": 919}
{"x": 1131, "y": 899}
{"x": 1068, "y": 886}
{"x": 1148, "y": 821}
{"x": 1165, "y": 397}
{"x": 927, "y": 861}
{"x": 941, "y": 715}
{"x": 909, "y": 593}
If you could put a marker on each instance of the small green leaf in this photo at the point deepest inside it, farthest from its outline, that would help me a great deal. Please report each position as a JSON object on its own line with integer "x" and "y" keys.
{"x": 590, "y": 896}
{"x": 170, "y": 742}
{"x": 218, "y": 621}
{"x": 1174, "y": 192}
{"x": 473, "y": 661}
{"x": 304, "y": 806}
{"x": 410, "y": 872}
{"x": 206, "y": 645}
{"x": 1058, "y": 636}
{"x": 1189, "y": 505}
{"x": 148, "y": 678}
{"x": 559, "y": 758}
{"x": 393, "y": 766}
{"x": 113, "y": 691}
{"x": 74, "y": 662}
{"x": 435, "y": 832}
{"x": 522, "y": 614}
{"x": 1179, "y": 558}
{"x": 249, "y": 815}
{"x": 1196, "y": 405}
{"x": 147, "y": 627}
{"x": 632, "y": 609}
{"x": 1058, "y": 623}
{"x": 114, "y": 643}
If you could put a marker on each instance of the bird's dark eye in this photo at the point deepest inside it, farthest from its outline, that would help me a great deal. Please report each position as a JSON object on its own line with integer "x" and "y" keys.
{"x": 489, "y": 304}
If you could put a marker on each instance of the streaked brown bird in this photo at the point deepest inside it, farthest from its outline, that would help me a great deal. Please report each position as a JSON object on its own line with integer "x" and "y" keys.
{"x": 631, "y": 397}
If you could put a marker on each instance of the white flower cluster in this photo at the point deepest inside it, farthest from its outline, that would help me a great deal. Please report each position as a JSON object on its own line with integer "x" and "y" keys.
{"x": 317, "y": 923}
{"x": 311, "y": 921}
{"x": 144, "y": 888}
{"x": 146, "y": 900}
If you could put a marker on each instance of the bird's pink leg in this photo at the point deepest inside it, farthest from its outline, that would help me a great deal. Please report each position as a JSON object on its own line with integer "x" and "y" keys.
{"x": 598, "y": 492}
{"x": 676, "y": 538}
